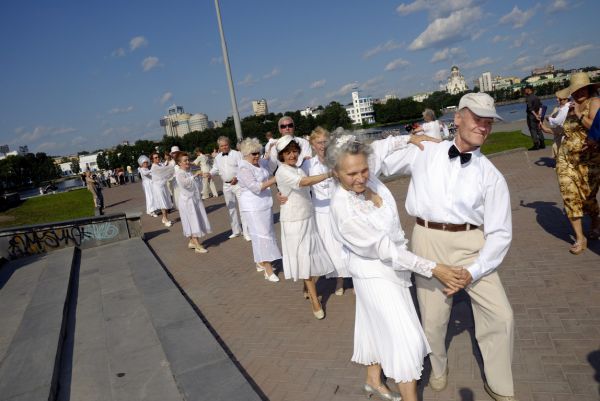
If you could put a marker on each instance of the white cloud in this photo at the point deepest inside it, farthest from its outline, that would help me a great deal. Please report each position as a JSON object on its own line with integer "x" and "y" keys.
{"x": 78, "y": 140}
{"x": 120, "y": 52}
{"x": 318, "y": 84}
{"x": 394, "y": 65}
{"x": 517, "y": 17}
{"x": 371, "y": 84}
{"x": 478, "y": 63}
{"x": 274, "y": 72}
{"x": 571, "y": 53}
{"x": 62, "y": 130}
{"x": 519, "y": 41}
{"x": 344, "y": 90}
{"x": 446, "y": 53}
{"x": 384, "y": 47}
{"x": 120, "y": 110}
{"x": 149, "y": 63}
{"x": 449, "y": 29}
{"x": 521, "y": 61}
{"x": 500, "y": 38}
{"x": 216, "y": 60}
{"x": 436, "y": 8}
{"x": 137, "y": 42}
{"x": 441, "y": 75}
{"x": 551, "y": 49}
{"x": 557, "y": 6}
{"x": 165, "y": 97}
{"x": 47, "y": 147}
{"x": 248, "y": 80}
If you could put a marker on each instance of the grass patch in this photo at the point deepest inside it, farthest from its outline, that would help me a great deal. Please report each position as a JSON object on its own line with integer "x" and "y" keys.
{"x": 501, "y": 141}
{"x": 50, "y": 208}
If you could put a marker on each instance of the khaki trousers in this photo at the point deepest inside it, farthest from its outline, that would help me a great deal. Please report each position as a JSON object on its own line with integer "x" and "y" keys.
{"x": 494, "y": 323}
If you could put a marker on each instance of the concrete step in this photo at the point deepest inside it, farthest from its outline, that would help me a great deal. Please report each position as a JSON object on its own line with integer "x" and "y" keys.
{"x": 29, "y": 369}
{"x": 116, "y": 352}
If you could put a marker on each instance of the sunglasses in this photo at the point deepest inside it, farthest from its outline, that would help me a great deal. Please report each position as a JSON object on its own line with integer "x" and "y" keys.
{"x": 255, "y": 153}
{"x": 284, "y": 126}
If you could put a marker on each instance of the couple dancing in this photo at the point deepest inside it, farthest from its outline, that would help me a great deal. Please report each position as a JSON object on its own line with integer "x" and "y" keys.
{"x": 462, "y": 208}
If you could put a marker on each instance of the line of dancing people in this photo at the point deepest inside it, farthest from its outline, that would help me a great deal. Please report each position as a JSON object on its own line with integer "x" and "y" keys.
{"x": 339, "y": 220}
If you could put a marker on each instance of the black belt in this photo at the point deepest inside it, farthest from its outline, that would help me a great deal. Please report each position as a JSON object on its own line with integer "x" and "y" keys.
{"x": 446, "y": 226}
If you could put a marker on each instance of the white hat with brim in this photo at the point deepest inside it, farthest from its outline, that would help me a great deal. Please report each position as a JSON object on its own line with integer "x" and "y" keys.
{"x": 580, "y": 80}
{"x": 481, "y": 104}
{"x": 283, "y": 142}
{"x": 175, "y": 149}
{"x": 143, "y": 159}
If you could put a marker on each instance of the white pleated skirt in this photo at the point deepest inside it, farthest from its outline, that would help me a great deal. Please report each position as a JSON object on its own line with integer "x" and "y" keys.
{"x": 332, "y": 246}
{"x": 262, "y": 233}
{"x": 194, "y": 220}
{"x": 304, "y": 254}
{"x": 387, "y": 329}
{"x": 147, "y": 185}
{"x": 161, "y": 196}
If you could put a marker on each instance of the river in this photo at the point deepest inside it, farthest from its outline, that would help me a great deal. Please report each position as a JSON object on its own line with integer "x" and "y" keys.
{"x": 69, "y": 183}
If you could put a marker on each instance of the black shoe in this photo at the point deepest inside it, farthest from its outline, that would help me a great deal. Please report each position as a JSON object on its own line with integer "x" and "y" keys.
{"x": 534, "y": 147}
{"x": 542, "y": 146}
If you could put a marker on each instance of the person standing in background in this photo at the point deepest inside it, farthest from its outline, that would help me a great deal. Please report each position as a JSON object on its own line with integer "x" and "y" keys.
{"x": 534, "y": 118}
{"x": 207, "y": 182}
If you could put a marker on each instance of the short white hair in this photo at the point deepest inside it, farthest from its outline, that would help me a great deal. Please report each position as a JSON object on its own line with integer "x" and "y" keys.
{"x": 250, "y": 145}
{"x": 429, "y": 113}
{"x": 344, "y": 143}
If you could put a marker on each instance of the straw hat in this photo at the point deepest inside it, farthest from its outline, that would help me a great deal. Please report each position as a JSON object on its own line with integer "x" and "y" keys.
{"x": 563, "y": 93}
{"x": 580, "y": 80}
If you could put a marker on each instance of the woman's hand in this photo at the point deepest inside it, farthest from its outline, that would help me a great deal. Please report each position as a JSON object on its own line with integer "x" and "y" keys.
{"x": 451, "y": 277}
{"x": 417, "y": 139}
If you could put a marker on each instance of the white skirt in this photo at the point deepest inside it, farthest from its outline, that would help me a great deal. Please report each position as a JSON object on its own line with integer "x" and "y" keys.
{"x": 387, "y": 329}
{"x": 332, "y": 246}
{"x": 161, "y": 196}
{"x": 194, "y": 220}
{"x": 262, "y": 232}
{"x": 147, "y": 185}
{"x": 304, "y": 254}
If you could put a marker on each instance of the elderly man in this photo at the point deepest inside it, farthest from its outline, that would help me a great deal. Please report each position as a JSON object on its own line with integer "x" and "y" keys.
{"x": 463, "y": 218}
{"x": 226, "y": 165}
{"x": 534, "y": 118}
{"x": 202, "y": 162}
{"x": 286, "y": 127}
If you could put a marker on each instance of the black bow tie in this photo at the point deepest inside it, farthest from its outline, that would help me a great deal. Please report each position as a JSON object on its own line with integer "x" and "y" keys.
{"x": 454, "y": 152}
{"x": 225, "y": 154}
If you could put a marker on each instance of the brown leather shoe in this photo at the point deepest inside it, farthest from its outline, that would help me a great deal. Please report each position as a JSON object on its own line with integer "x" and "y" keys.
{"x": 498, "y": 397}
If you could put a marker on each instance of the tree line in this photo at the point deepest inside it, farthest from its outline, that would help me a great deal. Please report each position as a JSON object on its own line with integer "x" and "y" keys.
{"x": 25, "y": 170}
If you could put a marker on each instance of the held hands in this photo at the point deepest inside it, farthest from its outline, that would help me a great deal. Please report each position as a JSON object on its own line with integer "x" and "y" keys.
{"x": 281, "y": 198}
{"x": 454, "y": 278}
{"x": 417, "y": 139}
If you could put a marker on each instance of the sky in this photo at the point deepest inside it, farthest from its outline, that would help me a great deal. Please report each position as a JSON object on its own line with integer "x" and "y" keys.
{"x": 84, "y": 75}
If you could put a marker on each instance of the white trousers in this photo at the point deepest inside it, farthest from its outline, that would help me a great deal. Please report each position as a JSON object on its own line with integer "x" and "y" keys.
{"x": 494, "y": 323}
{"x": 232, "y": 201}
{"x": 206, "y": 182}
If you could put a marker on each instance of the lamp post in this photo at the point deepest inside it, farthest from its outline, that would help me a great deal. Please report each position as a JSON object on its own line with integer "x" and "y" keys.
{"x": 236, "y": 115}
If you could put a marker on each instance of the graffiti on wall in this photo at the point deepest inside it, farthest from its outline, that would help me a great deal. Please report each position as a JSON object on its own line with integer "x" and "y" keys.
{"x": 41, "y": 241}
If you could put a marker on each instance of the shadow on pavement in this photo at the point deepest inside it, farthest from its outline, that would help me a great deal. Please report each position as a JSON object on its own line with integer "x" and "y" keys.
{"x": 212, "y": 208}
{"x": 594, "y": 360}
{"x": 117, "y": 203}
{"x": 545, "y": 162}
{"x": 148, "y": 235}
{"x": 554, "y": 221}
{"x": 218, "y": 239}
{"x": 466, "y": 394}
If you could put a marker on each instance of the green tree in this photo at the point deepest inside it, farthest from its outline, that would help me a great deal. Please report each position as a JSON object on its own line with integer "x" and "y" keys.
{"x": 102, "y": 161}
{"x": 334, "y": 116}
{"x": 75, "y": 168}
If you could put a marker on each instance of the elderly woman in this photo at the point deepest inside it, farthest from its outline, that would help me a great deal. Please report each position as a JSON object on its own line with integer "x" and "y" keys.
{"x": 194, "y": 221}
{"x": 161, "y": 174}
{"x": 256, "y": 202}
{"x": 387, "y": 333}
{"x": 144, "y": 163}
{"x": 431, "y": 127}
{"x": 556, "y": 120}
{"x": 304, "y": 255}
{"x": 578, "y": 164}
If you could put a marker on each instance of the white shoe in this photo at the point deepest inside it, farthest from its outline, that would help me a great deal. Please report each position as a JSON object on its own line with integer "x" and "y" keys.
{"x": 167, "y": 223}
{"x": 153, "y": 214}
{"x": 339, "y": 291}
{"x": 191, "y": 245}
{"x": 247, "y": 238}
{"x": 272, "y": 278}
{"x": 259, "y": 268}
{"x": 200, "y": 249}
{"x": 234, "y": 236}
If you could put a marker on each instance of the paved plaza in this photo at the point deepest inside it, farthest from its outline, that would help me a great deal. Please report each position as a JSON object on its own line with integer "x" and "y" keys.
{"x": 268, "y": 328}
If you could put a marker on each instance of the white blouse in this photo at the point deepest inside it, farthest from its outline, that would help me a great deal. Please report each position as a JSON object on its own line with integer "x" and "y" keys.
{"x": 189, "y": 184}
{"x": 299, "y": 205}
{"x": 321, "y": 192}
{"x": 251, "y": 178}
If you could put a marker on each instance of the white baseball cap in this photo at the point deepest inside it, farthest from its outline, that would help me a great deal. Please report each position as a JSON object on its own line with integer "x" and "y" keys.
{"x": 175, "y": 149}
{"x": 284, "y": 141}
{"x": 481, "y": 104}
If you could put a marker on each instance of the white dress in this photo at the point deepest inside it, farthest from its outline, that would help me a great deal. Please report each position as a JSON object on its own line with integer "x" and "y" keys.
{"x": 256, "y": 207}
{"x": 387, "y": 329}
{"x": 191, "y": 209}
{"x": 147, "y": 185}
{"x": 160, "y": 193}
{"x": 304, "y": 254}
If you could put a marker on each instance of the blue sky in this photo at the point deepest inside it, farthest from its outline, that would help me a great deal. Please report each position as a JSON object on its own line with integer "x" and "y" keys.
{"x": 82, "y": 75}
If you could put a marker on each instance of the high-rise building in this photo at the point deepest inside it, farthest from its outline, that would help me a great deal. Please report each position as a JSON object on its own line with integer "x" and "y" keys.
{"x": 260, "y": 107}
{"x": 485, "y": 82}
{"x": 456, "y": 82}
{"x": 4, "y": 149}
{"x": 198, "y": 122}
{"x": 178, "y": 123}
{"x": 361, "y": 109}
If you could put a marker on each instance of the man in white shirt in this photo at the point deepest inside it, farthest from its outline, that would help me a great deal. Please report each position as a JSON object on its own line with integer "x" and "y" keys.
{"x": 431, "y": 127}
{"x": 207, "y": 183}
{"x": 226, "y": 165}
{"x": 286, "y": 127}
{"x": 462, "y": 207}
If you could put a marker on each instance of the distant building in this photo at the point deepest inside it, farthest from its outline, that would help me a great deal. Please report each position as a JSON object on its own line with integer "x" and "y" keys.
{"x": 215, "y": 124}
{"x": 456, "y": 82}
{"x": 309, "y": 111}
{"x": 65, "y": 168}
{"x": 260, "y": 107}
{"x": 23, "y": 150}
{"x": 4, "y": 149}
{"x": 547, "y": 69}
{"x": 485, "y": 82}
{"x": 361, "y": 110}
{"x": 178, "y": 123}
{"x": 420, "y": 97}
{"x": 89, "y": 162}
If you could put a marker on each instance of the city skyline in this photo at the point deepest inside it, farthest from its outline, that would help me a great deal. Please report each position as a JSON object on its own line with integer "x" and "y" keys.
{"x": 80, "y": 76}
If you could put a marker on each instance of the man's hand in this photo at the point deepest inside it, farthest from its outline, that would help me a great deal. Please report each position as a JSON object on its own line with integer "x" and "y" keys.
{"x": 451, "y": 277}
{"x": 465, "y": 277}
{"x": 234, "y": 181}
{"x": 417, "y": 139}
{"x": 281, "y": 198}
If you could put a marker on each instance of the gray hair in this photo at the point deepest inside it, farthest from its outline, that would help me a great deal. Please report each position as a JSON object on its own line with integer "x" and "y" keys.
{"x": 223, "y": 138}
{"x": 429, "y": 113}
{"x": 282, "y": 119}
{"x": 250, "y": 145}
{"x": 342, "y": 145}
